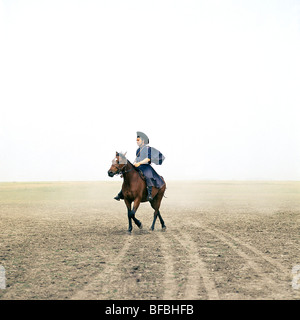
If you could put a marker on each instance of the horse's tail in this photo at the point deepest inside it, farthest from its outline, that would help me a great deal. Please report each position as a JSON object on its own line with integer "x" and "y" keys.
{"x": 163, "y": 186}
{"x": 164, "y": 193}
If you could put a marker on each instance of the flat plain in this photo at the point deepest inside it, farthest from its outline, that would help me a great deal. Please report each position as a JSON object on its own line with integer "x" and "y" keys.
{"x": 224, "y": 240}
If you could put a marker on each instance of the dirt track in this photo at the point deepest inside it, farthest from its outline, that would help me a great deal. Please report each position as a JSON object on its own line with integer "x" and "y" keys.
{"x": 224, "y": 240}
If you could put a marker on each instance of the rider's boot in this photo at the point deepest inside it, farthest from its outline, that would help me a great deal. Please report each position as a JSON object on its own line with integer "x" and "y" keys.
{"x": 119, "y": 196}
{"x": 149, "y": 197}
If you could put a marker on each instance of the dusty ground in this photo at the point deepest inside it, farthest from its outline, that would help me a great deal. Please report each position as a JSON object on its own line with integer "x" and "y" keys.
{"x": 224, "y": 240}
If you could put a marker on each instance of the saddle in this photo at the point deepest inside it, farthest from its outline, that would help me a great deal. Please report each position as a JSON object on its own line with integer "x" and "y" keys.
{"x": 144, "y": 178}
{"x": 141, "y": 174}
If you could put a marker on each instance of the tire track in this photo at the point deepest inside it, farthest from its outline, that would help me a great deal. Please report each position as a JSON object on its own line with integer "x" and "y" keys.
{"x": 101, "y": 284}
{"x": 197, "y": 271}
{"x": 249, "y": 261}
{"x": 279, "y": 283}
{"x": 258, "y": 271}
{"x": 276, "y": 281}
{"x": 271, "y": 261}
{"x": 170, "y": 284}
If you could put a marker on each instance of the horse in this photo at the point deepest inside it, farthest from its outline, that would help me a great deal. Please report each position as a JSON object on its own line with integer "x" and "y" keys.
{"x": 134, "y": 190}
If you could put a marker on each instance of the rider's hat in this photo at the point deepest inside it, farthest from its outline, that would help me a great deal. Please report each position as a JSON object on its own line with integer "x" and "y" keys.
{"x": 143, "y": 136}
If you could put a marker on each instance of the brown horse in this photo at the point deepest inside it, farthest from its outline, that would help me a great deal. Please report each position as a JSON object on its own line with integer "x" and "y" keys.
{"x": 134, "y": 190}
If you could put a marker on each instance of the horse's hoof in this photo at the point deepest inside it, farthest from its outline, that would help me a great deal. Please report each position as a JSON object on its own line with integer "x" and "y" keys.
{"x": 151, "y": 229}
{"x": 164, "y": 228}
{"x": 141, "y": 226}
{"x": 129, "y": 232}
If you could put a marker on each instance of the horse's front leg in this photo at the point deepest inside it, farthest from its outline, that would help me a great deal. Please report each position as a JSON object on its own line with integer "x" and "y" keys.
{"x": 129, "y": 221}
{"x": 128, "y": 205}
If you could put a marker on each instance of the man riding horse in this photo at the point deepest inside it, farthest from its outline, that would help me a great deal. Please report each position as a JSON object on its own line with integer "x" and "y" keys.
{"x": 144, "y": 156}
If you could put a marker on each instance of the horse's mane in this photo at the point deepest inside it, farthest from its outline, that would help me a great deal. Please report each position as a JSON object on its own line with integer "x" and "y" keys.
{"x": 134, "y": 167}
{"x": 122, "y": 155}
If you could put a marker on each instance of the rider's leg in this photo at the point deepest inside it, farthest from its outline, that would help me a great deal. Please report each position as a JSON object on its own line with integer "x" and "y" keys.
{"x": 149, "y": 191}
{"x": 148, "y": 174}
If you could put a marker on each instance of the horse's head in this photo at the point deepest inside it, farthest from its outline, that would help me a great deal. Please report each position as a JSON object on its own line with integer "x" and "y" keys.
{"x": 118, "y": 164}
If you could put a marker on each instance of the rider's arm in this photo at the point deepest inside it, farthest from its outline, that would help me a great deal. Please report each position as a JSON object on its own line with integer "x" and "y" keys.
{"x": 145, "y": 161}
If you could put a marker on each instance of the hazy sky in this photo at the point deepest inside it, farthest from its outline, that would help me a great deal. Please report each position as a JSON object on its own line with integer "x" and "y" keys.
{"x": 214, "y": 84}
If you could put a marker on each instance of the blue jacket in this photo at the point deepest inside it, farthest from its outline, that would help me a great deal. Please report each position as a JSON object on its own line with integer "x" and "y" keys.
{"x": 153, "y": 154}
{"x": 151, "y": 176}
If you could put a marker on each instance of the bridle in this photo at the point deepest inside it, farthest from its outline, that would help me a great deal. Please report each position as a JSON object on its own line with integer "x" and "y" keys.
{"x": 121, "y": 170}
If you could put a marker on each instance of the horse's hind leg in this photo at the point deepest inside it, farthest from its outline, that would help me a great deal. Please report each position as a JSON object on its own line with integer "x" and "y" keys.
{"x": 157, "y": 214}
{"x": 161, "y": 221}
{"x": 155, "y": 205}
{"x": 154, "y": 219}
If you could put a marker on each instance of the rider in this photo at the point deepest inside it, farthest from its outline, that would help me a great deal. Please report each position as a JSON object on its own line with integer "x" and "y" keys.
{"x": 142, "y": 162}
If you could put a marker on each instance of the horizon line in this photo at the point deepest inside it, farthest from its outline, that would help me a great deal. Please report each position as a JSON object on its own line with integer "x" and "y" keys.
{"x": 171, "y": 180}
